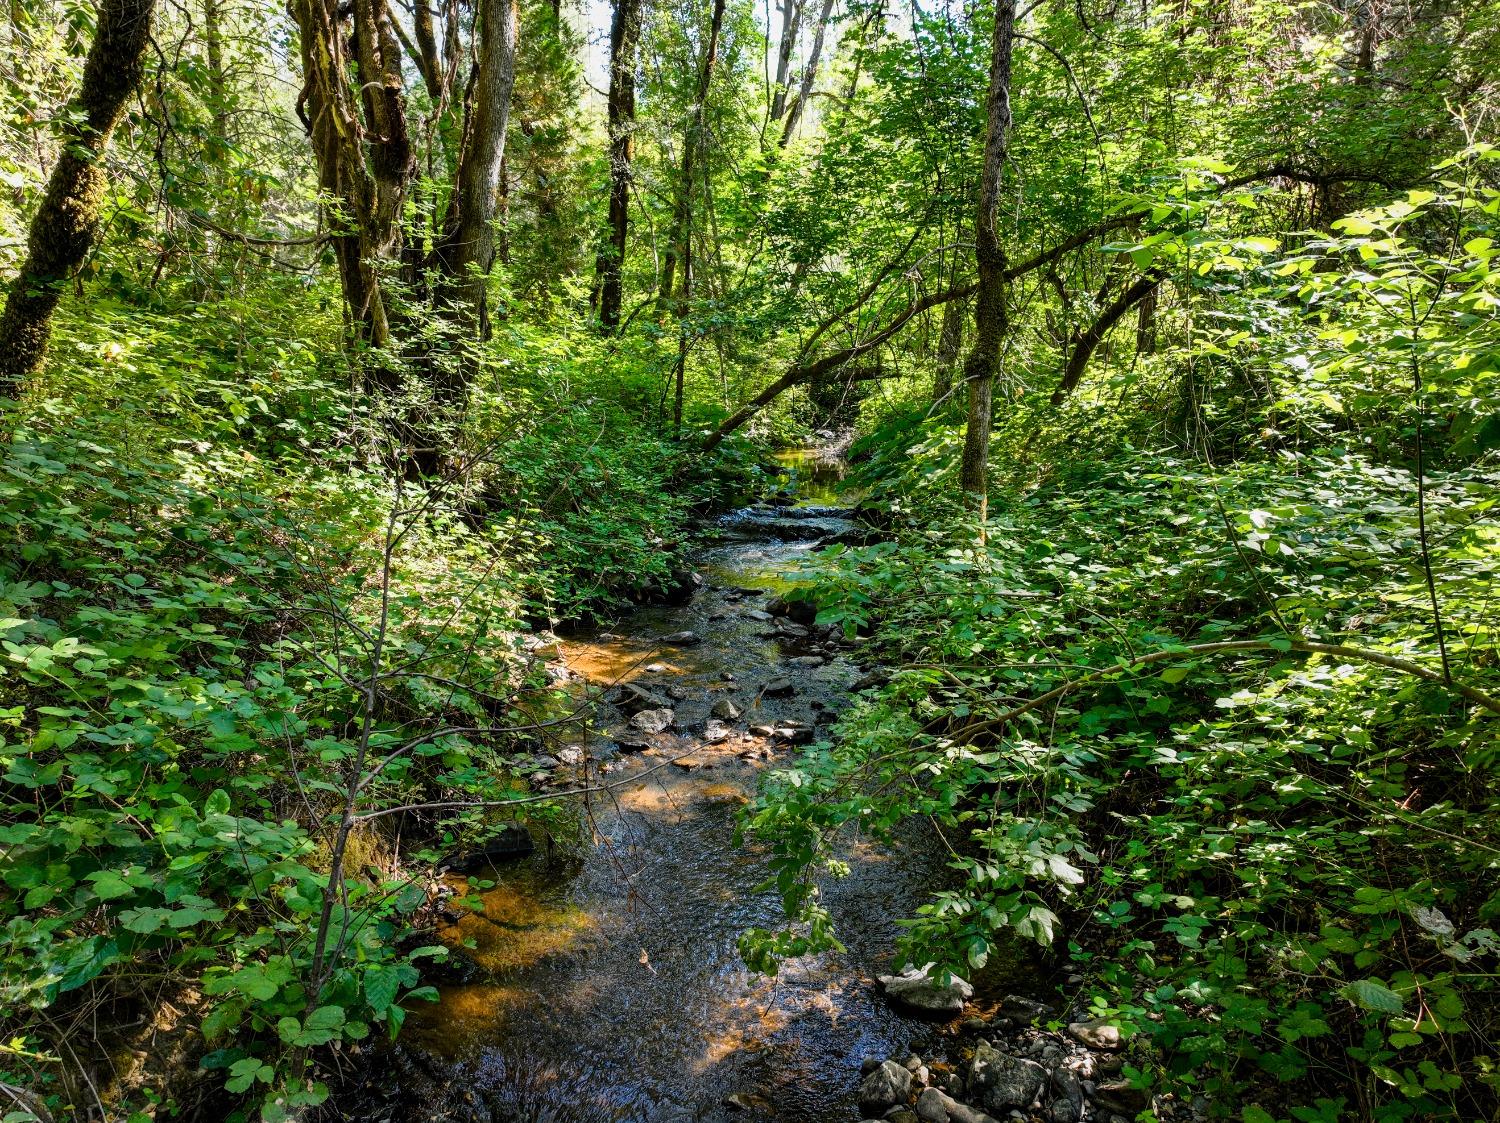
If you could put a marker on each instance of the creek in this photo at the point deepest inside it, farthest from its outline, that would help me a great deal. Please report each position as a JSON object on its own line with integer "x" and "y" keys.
{"x": 609, "y": 985}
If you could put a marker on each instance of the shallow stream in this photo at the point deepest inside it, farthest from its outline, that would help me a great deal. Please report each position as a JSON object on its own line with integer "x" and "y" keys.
{"x": 612, "y": 988}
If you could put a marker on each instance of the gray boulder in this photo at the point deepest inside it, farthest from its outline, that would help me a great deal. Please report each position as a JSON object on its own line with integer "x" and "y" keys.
{"x": 931, "y": 1108}
{"x": 654, "y": 721}
{"x": 921, "y": 991}
{"x": 725, "y": 710}
{"x": 1000, "y": 1082}
{"x": 887, "y": 1086}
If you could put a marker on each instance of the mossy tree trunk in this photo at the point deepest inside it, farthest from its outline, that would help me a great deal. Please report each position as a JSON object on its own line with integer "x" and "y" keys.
{"x": 990, "y": 312}
{"x": 67, "y": 222}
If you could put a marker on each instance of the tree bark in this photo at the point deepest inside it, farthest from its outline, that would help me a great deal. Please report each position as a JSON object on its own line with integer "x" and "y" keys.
{"x": 66, "y": 223}
{"x": 361, "y": 147}
{"x": 467, "y": 252}
{"x": 624, "y": 39}
{"x": 1090, "y": 340}
{"x": 990, "y": 312}
{"x": 791, "y": 23}
{"x": 809, "y": 73}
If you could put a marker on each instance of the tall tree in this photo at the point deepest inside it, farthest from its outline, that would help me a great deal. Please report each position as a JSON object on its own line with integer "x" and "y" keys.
{"x": 990, "y": 313}
{"x": 66, "y": 223}
{"x": 466, "y": 252}
{"x": 624, "y": 40}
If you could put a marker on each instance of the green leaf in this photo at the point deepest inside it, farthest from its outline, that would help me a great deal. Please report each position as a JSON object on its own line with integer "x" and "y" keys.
{"x": 1175, "y": 674}
{"x": 1373, "y": 995}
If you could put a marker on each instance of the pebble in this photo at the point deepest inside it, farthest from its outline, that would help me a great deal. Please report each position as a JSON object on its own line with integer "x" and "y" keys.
{"x": 1096, "y": 1034}
{"x": 778, "y": 686}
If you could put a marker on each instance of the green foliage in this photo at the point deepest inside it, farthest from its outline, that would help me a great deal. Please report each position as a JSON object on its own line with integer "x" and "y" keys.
{"x": 1277, "y": 865}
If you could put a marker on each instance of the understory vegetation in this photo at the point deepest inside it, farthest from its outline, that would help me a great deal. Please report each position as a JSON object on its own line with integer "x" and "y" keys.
{"x": 353, "y": 346}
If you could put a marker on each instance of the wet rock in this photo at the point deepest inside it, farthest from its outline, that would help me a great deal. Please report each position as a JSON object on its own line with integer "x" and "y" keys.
{"x": 570, "y": 754}
{"x": 1067, "y": 1098}
{"x": 920, "y": 991}
{"x": 870, "y": 679}
{"x": 1023, "y": 1011}
{"x": 690, "y": 763}
{"x": 513, "y": 841}
{"x": 912, "y": 1063}
{"x": 901, "y": 1115}
{"x": 677, "y": 588}
{"x": 803, "y": 612}
{"x": 931, "y": 1108}
{"x": 779, "y": 686}
{"x": 741, "y": 1101}
{"x": 999, "y": 1081}
{"x": 793, "y": 631}
{"x": 868, "y": 1065}
{"x": 757, "y": 614}
{"x": 887, "y": 1085}
{"x": 654, "y": 720}
{"x": 1097, "y": 1034}
{"x": 1121, "y": 1096}
{"x": 656, "y": 668}
{"x": 677, "y": 693}
{"x": 714, "y": 732}
{"x": 629, "y": 743}
{"x": 806, "y": 661}
{"x": 725, "y": 710}
{"x": 632, "y": 698}
{"x": 682, "y": 639}
{"x": 962, "y": 1112}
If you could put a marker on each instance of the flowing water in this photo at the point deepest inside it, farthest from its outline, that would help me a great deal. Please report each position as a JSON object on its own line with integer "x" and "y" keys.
{"x": 611, "y": 987}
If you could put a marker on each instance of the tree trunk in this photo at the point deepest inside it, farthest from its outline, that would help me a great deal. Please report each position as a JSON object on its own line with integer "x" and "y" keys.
{"x": 809, "y": 73}
{"x": 950, "y": 344}
{"x": 67, "y": 221}
{"x": 624, "y": 38}
{"x": 682, "y": 216}
{"x": 791, "y": 23}
{"x": 363, "y": 191}
{"x": 467, "y": 251}
{"x": 990, "y": 314}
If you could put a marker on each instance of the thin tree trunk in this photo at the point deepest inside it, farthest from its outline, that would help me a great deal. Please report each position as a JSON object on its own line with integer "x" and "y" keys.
{"x": 809, "y": 73}
{"x": 990, "y": 313}
{"x": 1098, "y": 331}
{"x": 1145, "y": 325}
{"x": 682, "y": 217}
{"x": 67, "y": 221}
{"x": 213, "y": 40}
{"x": 950, "y": 344}
{"x": 624, "y": 38}
{"x": 426, "y": 56}
{"x": 791, "y": 23}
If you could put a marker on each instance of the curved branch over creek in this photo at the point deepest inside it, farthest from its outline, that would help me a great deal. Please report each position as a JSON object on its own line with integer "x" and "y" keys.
{"x": 607, "y": 984}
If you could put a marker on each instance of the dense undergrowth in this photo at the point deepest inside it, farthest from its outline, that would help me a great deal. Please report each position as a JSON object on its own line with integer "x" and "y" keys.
{"x": 219, "y": 610}
{"x": 1209, "y": 708}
